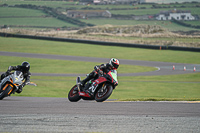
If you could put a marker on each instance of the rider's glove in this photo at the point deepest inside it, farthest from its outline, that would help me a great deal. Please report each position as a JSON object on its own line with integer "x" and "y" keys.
{"x": 10, "y": 68}
{"x": 7, "y": 72}
{"x": 115, "y": 83}
{"x": 101, "y": 72}
{"x": 28, "y": 82}
{"x": 96, "y": 68}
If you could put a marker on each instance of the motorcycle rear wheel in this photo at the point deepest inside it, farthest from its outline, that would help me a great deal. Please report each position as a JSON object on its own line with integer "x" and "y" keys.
{"x": 102, "y": 96}
{"x": 73, "y": 95}
{"x": 6, "y": 92}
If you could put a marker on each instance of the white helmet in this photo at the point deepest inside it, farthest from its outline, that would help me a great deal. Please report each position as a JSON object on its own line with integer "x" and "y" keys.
{"x": 114, "y": 63}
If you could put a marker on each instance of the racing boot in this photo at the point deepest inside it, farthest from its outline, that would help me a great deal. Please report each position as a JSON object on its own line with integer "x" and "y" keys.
{"x": 89, "y": 77}
{"x": 88, "y": 88}
{"x": 85, "y": 80}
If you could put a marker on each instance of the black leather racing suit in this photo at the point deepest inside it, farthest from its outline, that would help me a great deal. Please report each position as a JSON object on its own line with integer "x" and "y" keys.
{"x": 105, "y": 68}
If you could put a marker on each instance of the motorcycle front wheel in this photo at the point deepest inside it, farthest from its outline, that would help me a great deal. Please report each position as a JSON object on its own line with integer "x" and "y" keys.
{"x": 104, "y": 93}
{"x": 6, "y": 91}
{"x": 73, "y": 95}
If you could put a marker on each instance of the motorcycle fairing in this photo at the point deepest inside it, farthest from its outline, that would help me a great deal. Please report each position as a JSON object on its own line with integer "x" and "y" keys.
{"x": 100, "y": 80}
{"x": 96, "y": 83}
{"x": 83, "y": 94}
{"x": 13, "y": 79}
{"x": 113, "y": 76}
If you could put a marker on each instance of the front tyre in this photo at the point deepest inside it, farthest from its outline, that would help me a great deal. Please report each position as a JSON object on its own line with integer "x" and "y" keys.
{"x": 73, "y": 95}
{"x": 103, "y": 93}
{"x": 6, "y": 91}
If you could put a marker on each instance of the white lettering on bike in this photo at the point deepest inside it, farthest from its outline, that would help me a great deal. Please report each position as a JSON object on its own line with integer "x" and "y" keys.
{"x": 93, "y": 87}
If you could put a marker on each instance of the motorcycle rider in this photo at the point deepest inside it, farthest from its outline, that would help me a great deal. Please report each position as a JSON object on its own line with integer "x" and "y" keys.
{"x": 103, "y": 68}
{"x": 24, "y": 68}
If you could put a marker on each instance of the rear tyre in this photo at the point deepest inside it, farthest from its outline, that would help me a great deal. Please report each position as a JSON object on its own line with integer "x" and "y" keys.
{"x": 6, "y": 92}
{"x": 73, "y": 95}
{"x": 103, "y": 94}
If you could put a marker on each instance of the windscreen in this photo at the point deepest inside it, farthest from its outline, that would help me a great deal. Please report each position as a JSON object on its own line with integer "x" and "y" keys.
{"x": 114, "y": 74}
{"x": 18, "y": 73}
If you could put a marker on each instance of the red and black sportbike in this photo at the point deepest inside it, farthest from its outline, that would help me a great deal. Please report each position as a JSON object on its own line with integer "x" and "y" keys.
{"x": 100, "y": 89}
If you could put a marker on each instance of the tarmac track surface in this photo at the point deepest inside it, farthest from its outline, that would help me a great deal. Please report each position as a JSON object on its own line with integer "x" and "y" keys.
{"x": 33, "y": 114}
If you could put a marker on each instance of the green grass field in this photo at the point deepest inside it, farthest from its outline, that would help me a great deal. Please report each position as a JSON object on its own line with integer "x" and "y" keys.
{"x": 53, "y": 4}
{"x": 168, "y": 87}
{"x": 78, "y": 49}
{"x": 5, "y": 11}
{"x": 196, "y": 23}
{"x": 56, "y": 66}
{"x": 62, "y": 5}
{"x": 48, "y": 22}
{"x": 53, "y": 22}
{"x": 67, "y": 4}
{"x": 151, "y": 11}
{"x": 29, "y": 17}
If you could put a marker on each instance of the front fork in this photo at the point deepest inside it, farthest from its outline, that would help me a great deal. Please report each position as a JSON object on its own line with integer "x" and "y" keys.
{"x": 103, "y": 87}
{"x": 78, "y": 83}
{"x": 4, "y": 88}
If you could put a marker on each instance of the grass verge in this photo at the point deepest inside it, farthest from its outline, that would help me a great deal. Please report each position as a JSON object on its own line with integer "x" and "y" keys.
{"x": 64, "y": 66}
{"x": 88, "y": 50}
{"x": 176, "y": 88}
